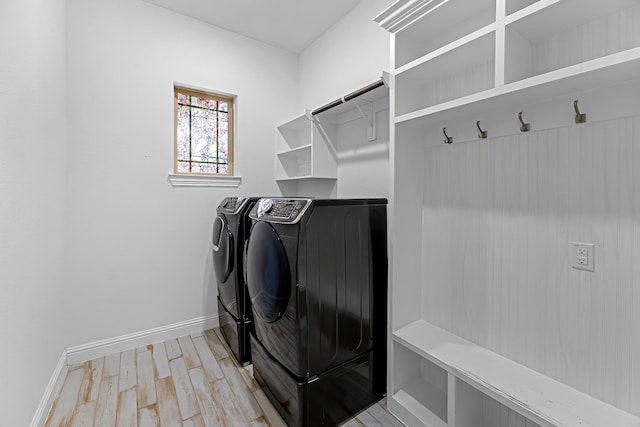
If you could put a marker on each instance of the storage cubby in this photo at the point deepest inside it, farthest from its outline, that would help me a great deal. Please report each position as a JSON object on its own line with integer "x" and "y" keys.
{"x": 294, "y": 134}
{"x": 567, "y": 33}
{"x": 441, "y": 23}
{"x": 475, "y": 409}
{"x": 420, "y": 385}
{"x": 462, "y": 71}
{"x": 294, "y": 163}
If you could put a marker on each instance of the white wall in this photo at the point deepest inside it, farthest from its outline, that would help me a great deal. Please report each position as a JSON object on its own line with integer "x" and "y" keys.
{"x": 138, "y": 248}
{"x": 350, "y": 55}
{"x": 363, "y": 165}
{"x": 32, "y": 193}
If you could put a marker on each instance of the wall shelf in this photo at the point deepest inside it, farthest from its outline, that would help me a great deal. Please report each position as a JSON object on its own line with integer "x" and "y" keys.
{"x": 598, "y": 72}
{"x": 296, "y": 152}
{"x": 303, "y": 151}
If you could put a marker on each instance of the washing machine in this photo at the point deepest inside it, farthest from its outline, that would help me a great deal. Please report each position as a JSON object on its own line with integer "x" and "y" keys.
{"x": 316, "y": 272}
{"x": 230, "y": 231}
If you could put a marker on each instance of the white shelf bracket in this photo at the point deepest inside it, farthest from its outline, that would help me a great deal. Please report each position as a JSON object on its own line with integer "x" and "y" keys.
{"x": 369, "y": 116}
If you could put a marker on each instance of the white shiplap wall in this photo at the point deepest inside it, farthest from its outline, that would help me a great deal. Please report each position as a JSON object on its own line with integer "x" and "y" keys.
{"x": 499, "y": 217}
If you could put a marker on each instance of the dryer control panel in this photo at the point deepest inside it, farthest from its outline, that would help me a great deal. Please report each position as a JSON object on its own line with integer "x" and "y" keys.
{"x": 232, "y": 205}
{"x": 288, "y": 211}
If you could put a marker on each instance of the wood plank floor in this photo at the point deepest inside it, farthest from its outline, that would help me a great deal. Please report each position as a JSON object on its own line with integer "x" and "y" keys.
{"x": 192, "y": 381}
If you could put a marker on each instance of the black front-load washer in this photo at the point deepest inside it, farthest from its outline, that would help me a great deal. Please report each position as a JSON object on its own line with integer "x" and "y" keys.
{"x": 230, "y": 231}
{"x": 317, "y": 276}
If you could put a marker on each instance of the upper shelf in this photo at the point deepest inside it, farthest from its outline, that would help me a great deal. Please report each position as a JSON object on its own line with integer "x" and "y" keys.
{"x": 439, "y": 25}
{"x": 599, "y": 72}
{"x": 545, "y": 17}
{"x": 565, "y": 33}
{"x": 473, "y": 58}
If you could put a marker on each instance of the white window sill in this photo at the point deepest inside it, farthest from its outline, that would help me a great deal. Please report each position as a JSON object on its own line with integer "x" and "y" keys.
{"x": 188, "y": 180}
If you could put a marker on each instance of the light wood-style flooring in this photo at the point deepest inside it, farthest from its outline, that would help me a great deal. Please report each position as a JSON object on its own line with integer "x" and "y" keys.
{"x": 191, "y": 381}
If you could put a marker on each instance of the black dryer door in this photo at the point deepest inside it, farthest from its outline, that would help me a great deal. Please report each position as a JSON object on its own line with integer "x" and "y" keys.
{"x": 268, "y": 274}
{"x": 222, "y": 248}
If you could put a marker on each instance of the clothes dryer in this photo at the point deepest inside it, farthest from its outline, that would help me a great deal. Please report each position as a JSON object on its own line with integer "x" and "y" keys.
{"x": 317, "y": 278}
{"x": 230, "y": 231}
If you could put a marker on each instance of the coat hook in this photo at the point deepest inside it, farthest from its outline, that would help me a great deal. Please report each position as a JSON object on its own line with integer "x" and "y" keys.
{"x": 448, "y": 139}
{"x": 483, "y": 133}
{"x": 524, "y": 127}
{"x": 580, "y": 117}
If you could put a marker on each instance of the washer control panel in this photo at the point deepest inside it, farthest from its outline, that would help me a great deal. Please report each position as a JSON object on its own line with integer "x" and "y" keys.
{"x": 287, "y": 211}
{"x": 232, "y": 205}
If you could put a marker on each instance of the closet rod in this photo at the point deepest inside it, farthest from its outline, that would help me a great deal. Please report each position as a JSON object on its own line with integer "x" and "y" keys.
{"x": 348, "y": 97}
{"x": 327, "y": 107}
{"x": 364, "y": 90}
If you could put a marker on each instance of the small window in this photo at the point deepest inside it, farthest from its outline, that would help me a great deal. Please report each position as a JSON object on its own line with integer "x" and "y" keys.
{"x": 203, "y": 132}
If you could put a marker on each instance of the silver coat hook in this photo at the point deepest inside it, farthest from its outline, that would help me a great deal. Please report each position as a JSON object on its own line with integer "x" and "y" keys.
{"x": 580, "y": 117}
{"x": 483, "y": 133}
{"x": 447, "y": 138}
{"x": 524, "y": 127}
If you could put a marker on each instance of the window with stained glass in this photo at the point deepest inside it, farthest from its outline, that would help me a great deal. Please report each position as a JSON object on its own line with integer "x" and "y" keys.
{"x": 204, "y": 132}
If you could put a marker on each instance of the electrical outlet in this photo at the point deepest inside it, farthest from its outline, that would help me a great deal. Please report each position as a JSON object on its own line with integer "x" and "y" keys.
{"x": 583, "y": 256}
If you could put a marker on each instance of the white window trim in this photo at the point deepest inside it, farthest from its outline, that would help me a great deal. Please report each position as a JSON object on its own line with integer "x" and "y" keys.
{"x": 195, "y": 180}
{"x": 207, "y": 180}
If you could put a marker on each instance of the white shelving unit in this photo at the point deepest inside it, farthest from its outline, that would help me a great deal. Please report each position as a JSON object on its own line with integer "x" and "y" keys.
{"x": 306, "y": 147}
{"x": 303, "y": 151}
{"x": 457, "y": 61}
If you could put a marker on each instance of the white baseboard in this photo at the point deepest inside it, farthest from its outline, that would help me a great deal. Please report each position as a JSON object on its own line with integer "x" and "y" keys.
{"x": 54, "y": 386}
{"x": 82, "y": 353}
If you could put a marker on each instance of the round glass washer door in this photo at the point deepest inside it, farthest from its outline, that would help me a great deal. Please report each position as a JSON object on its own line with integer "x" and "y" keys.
{"x": 268, "y": 275}
{"x": 222, "y": 247}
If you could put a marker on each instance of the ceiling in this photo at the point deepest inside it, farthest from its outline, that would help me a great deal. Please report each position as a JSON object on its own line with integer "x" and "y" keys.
{"x": 289, "y": 24}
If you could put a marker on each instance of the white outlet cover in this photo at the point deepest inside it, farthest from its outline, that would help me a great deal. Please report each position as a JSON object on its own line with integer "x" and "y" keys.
{"x": 580, "y": 251}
